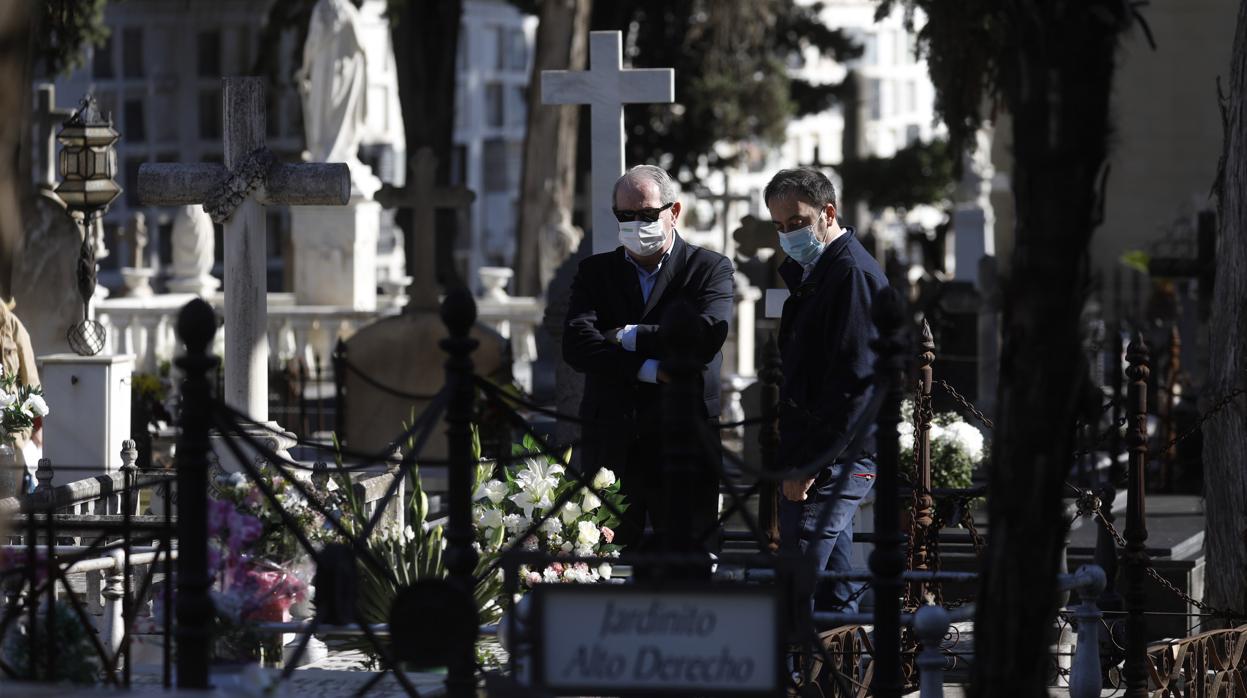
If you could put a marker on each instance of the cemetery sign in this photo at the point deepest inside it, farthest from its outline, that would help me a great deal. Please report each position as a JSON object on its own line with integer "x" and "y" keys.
{"x": 632, "y": 640}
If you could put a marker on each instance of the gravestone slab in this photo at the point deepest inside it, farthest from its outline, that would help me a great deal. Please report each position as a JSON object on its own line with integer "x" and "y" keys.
{"x": 401, "y": 352}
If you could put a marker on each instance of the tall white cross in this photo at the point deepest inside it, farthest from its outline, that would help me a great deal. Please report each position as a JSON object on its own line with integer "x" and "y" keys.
{"x": 227, "y": 189}
{"x": 606, "y": 87}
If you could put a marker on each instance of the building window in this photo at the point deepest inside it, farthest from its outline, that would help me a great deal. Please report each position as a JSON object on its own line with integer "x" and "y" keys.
{"x": 494, "y": 108}
{"x": 102, "y": 60}
{"x": 134, "y": 123}
{"x": 912, "y": 134}
{"x": 517, "y": 50}
{"x": 870, "y": 48}
{"x": 495, "y": 165}
{"x": 873, "y": 98}
{"x": 208, "y": 63}
{"x": 911, "y": 96}
{"x": 132, "y": 52}
{"x": 516, "y": 106}
{"x": 210, "y": 115}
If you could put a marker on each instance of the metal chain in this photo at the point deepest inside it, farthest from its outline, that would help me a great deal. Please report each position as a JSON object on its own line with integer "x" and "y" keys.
{"x": 1220, "y": 405}
{"x": 967, "y": 520}
{"x": 961, "y": 400}
{"x": 1151, "y": 572}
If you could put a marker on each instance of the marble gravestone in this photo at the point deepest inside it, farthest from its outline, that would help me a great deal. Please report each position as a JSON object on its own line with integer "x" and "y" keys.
{"x": 235, "y": 193}
{"x": 606, "y": 87}
{"x": 402, "y": 353}
{"x": 335, "y": 247}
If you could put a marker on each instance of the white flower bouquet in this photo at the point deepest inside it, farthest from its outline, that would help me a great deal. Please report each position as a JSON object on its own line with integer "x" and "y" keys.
{"x": 957, "y": 447}
{"x": 509, "y": 500}
{"x": 20, "y": 406}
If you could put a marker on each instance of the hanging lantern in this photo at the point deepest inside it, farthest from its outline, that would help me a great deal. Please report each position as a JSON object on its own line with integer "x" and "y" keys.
{"x": 88, "y": 162}
{"x": 88, "y": 169}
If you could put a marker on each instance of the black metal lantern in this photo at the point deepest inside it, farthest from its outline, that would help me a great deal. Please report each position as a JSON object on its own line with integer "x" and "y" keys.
{"x": 88, "y": 162}
{"x": 88, "y": 169}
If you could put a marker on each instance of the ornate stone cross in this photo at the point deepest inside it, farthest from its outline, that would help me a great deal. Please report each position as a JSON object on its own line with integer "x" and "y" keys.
{"x": 234, "y": 194}
{"x": 606, "y": 87}
{"x": 424, "y": 199}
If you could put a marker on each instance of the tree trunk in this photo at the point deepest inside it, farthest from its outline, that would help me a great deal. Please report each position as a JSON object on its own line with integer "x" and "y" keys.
{"x": 1056, "y": 79}
{"x": 549, "y": 184}
{"x": 15, "y": 33}
{"x": 426, "y": 42}
{"x": 1225, "y": 434}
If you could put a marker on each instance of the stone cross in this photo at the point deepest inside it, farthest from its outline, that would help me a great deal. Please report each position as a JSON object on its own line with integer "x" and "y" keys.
{"x": 47, "y": 118}
{"x": 424, "y": 199}
{"x": 606, "y": 87}
{"x": 235, "y": 193}
{"x": 725, "y": 201}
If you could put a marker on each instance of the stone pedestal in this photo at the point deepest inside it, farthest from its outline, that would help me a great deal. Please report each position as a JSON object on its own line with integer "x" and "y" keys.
{"x": 138, "y": 281}
{"x": 335, "y": 254}
{"x": 271, "y": 435}
{"x": 89, "y": 402}
{"x": 972, "y": 240}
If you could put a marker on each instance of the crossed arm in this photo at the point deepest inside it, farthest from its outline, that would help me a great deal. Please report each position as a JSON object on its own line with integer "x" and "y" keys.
{"x": 635, "y": 350}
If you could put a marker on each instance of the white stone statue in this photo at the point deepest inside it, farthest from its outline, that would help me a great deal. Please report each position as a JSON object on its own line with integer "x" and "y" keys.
{"x": 334, "y": 84}
{"x": 194, "y": 249}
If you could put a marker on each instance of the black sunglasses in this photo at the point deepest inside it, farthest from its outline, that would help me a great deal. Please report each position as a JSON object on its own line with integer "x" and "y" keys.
{"x": 647, "y": 215}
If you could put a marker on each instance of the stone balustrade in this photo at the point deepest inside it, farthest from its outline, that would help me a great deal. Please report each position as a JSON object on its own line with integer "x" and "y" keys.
{"x": 145, "y": 327}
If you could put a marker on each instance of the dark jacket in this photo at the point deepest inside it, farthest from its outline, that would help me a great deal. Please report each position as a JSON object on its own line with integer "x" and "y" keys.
{"x": 606, "y": 294}
{"x": 824, "y": 339}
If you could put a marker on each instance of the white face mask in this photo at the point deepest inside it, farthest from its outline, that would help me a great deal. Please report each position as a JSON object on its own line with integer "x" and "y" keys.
{"x": 642, "y": 239}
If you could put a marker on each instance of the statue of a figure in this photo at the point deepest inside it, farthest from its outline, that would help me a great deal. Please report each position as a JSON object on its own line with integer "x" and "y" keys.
{"x": 334, "y": 84}
{"x": 194, "y": 250}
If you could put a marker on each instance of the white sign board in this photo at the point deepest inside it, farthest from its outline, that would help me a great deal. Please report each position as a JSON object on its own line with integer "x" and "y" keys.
{"x": 627, "y": 640}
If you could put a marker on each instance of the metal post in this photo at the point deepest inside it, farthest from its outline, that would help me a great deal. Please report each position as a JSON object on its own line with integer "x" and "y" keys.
{"x": 196, "y": 326}
{"x": 887, "y": 561}
{"x": 1134, "y": 559}
{"x": 1170, "y": 456}
{"x": 924, "y": 505}
{"x": 459, "y": 314}
{"x": 931, "y": 625}
{"x": 770, "y": 376}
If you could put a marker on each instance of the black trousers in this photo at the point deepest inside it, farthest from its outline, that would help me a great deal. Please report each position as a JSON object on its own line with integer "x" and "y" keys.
{"x": 652, "y": 495}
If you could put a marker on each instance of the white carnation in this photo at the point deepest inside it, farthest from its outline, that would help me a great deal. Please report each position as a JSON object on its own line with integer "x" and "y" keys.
{"x": 549, "y": 576}
{"x": 551, "y": 526}
{"x": 967, "y": 438}
{"x": 588, "y": 533}
{"x": 604, "y": 570}
{"x": 604, "y": 478}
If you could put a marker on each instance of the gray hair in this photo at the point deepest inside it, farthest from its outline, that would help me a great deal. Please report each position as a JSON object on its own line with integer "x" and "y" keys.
{"x": 805, "y": 183}
{"x": 667, "y": 188}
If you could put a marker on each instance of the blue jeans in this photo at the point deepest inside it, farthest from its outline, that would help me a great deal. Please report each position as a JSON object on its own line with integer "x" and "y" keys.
{"x": 831, "y": 546}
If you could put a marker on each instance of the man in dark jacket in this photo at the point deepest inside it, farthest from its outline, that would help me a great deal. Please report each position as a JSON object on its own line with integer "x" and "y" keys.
{"x": 611, "y": 335}
{"x": 824, "y": 337}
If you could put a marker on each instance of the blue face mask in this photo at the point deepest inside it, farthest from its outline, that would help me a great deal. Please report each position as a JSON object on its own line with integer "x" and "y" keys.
{"x": 802, "y": 245}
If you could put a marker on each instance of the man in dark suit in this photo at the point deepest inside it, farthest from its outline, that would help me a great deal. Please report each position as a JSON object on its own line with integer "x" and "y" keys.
{"x": 611, "y": 335}
{"x": 824, "y": 338}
